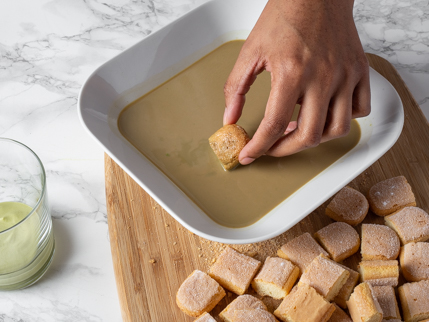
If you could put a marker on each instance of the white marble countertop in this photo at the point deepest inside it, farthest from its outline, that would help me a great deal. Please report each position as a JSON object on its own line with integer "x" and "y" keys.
{"x": 48, "y": 48}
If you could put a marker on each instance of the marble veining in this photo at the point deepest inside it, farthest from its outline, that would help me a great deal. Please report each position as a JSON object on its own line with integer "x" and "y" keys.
{"x": 47, "y": 50}
{"x": 398, "y": 30}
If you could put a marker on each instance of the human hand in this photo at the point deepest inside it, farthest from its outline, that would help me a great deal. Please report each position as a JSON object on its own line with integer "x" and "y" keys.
{"x": 314, "y": 55}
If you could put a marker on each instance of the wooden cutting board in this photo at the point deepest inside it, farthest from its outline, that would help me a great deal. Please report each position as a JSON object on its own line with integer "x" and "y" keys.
{"x": 153, "y": 254}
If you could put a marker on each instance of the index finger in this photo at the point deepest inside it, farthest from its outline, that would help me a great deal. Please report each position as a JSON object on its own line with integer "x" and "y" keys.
{"x": 242, "y": 76}
{"x": 280, "y": 106}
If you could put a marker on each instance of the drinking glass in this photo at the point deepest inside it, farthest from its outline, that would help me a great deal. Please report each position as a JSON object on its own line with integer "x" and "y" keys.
{"x": 26, "y": 239}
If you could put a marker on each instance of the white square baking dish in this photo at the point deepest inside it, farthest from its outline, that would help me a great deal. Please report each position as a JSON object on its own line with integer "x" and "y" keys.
{"x": 166, "y": 52}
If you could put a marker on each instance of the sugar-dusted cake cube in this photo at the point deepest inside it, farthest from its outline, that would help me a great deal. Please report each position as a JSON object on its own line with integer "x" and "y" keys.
{"x": 276, "y": 278}
{"x": 325, "y": 276}
{"x": 363, "y": 306}
{"x": 199, "y": 293}
{"x": 339, "y": 315}
{"x": 234, "y": 270}
{"x": 253, "y": 315}
{"x": 347, "y": 288}
{"x": 242, "y": 302}
{"x": 379, "y": 273}
{"x": 304, "y": 304}
{"x": 206, "y": 317}
{"x": 390, "y": 195}
{"x": 301, "y": 251}
{"x": 227, "y": 143}
{"x": 414, "y": 260}
{"x": 339, "y": 239}
{"x": 379, "y": 242}
{"x": 410, "y": 223}
{"x": 349, "y": 206}
{"x": 385, "y": 296}
{"x": 414, "y": 299}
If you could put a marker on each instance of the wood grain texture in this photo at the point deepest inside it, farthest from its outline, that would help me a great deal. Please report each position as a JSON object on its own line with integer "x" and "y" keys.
{"x": 153, "y": 254}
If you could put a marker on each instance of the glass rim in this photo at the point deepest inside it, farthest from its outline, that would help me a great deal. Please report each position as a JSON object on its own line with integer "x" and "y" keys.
{"x": 43, "y": 181}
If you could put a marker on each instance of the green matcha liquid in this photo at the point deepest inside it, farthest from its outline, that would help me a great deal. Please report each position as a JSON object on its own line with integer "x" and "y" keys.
{"x": 18, "y": 246}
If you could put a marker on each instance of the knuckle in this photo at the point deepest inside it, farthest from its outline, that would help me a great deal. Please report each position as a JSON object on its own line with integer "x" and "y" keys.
{"x": 362, "y": 66}
{"x": 327, "y": 69}
{"x": 341, "y": 130}
{"x": 291, "y": 70}
{"x": 326, "y": 66}
{"x": 250, "y": 50}
{"x": 349, "y": 74}
{"x": 329, "y": 77}
{"x": 363, "y": 61}
{"x": 311, "y": 139}
{"x": 274, "y": 127}
{"x": 355, "y": 70}
{"x": 366, "y": 110}
{"x": 294, "y": 67}
{"x": 361, "y": 106}
{"x": 361, "y": 110}
{"x": 227, "y": 88}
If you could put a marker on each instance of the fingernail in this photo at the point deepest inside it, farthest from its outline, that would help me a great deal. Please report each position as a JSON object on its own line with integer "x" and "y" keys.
{"x": 225, "y": 116}
{"x": 247, "y": 161}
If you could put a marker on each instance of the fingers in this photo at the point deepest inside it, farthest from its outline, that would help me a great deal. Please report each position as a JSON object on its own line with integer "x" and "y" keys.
{"x": 352, "y": 100}
{"x": 323, "y": 119}
{"x": 310, "y": 126}
{"x": 279, "y": 110}
{"x": 242, "y": 76}
{"x": 362, "y": 97}
{"x": 349, "y": 103}
{"x": 339, "y": 116}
